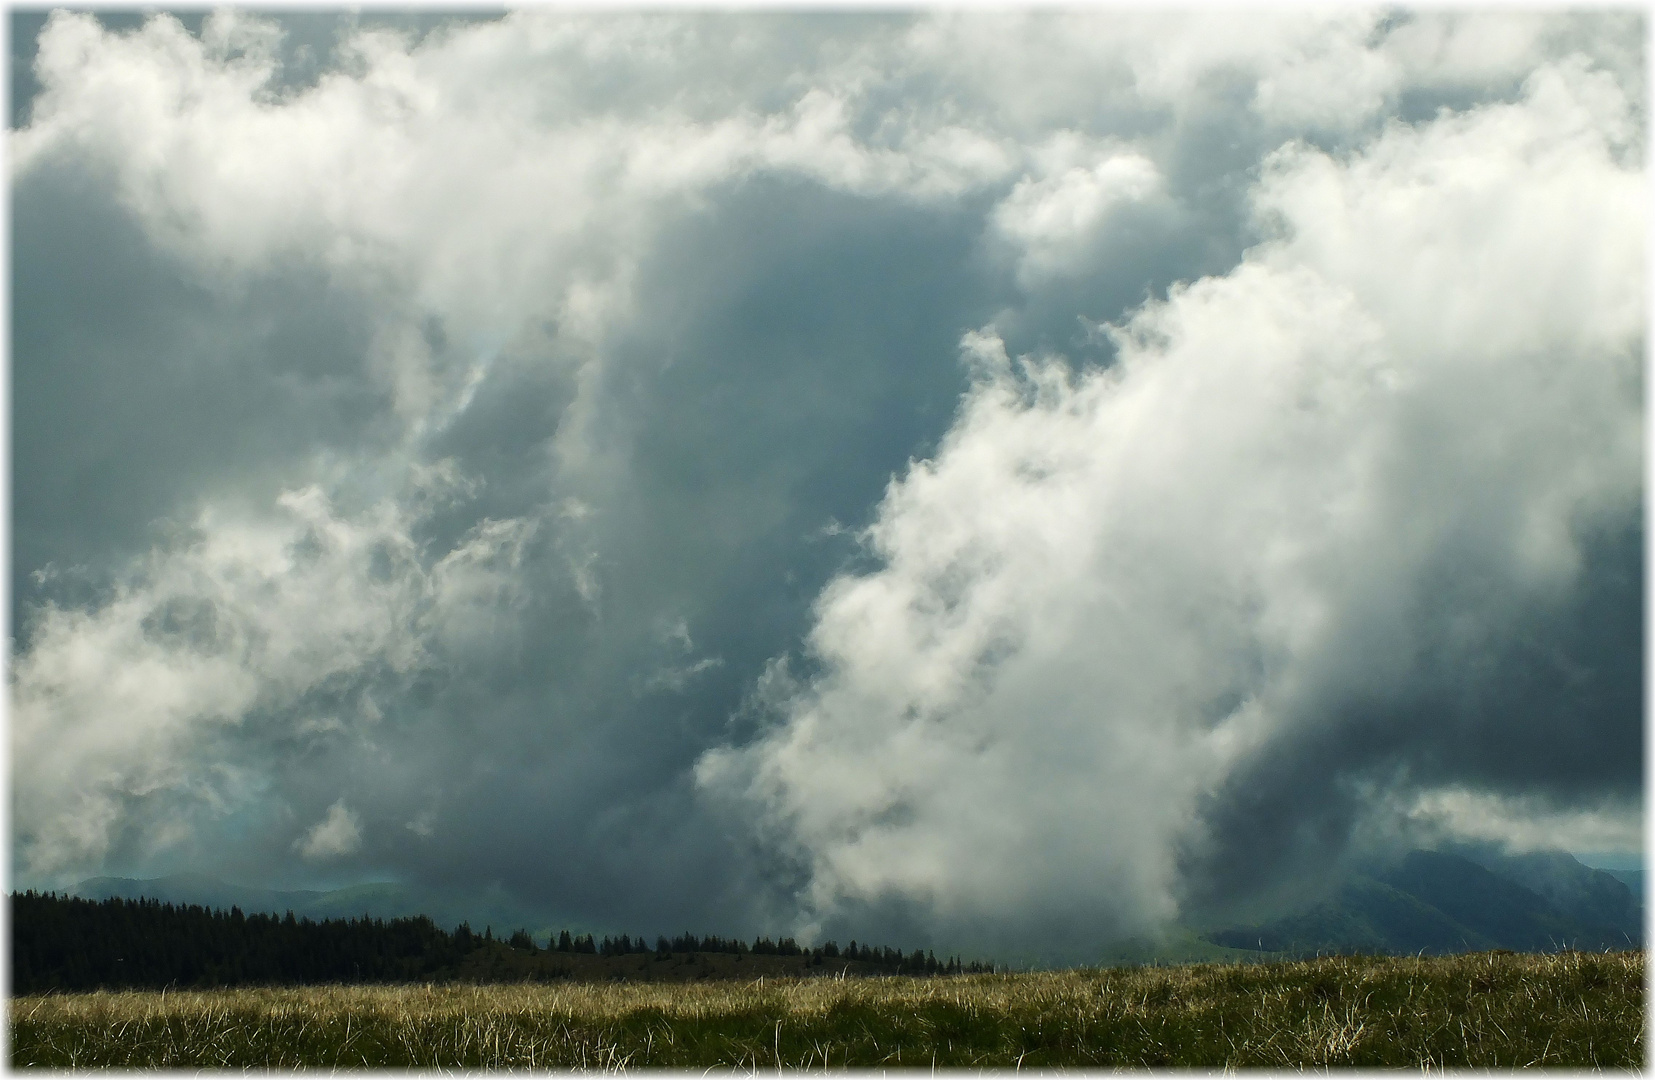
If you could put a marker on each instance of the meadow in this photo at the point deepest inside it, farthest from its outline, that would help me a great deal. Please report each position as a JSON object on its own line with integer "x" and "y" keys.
{"x": 1487, "y": 1010}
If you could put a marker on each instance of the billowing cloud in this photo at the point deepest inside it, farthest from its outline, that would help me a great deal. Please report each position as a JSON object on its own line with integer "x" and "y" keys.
{"x": 288, "y": 624}
{"x": 1304, "y": 488}
{"x": 1054, "y": 219}
{"x": 1005, "y": 478}
{"x": 337, "y": 834}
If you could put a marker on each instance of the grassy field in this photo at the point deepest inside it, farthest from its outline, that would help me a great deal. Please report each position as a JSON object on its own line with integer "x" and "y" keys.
{"x": 1483, "y": 1010}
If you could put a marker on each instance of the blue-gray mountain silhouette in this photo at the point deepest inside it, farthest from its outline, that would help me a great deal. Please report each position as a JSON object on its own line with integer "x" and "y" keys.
{"x": 1459, "y": 900}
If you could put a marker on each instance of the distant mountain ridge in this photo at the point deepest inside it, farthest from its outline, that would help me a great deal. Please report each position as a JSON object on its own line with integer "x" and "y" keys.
{"x": 1633, "y": 879}
{"x": 1439, "y": 902}
{"x": 1459, "y": 900}
{"x": 199, "y": 889}
{"x": 379, "y": 900}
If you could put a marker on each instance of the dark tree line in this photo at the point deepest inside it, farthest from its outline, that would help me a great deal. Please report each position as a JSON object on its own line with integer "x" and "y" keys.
{"x": 67, "y": 943}
{"x": 916, "y": 963}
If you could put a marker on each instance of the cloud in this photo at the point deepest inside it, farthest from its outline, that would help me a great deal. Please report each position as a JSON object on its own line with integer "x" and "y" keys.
{"x": 551, "y": 431}
{"x": 247, "y": 623}
{"x": 1526, "y": 824}
{"x": 337, "y": 834}
{"x": 1381, "y": 445}
{"x": 1054, "y": 219}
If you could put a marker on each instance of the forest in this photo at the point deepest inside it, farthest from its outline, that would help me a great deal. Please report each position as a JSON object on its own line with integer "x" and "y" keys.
{"x": 62, "y": 943}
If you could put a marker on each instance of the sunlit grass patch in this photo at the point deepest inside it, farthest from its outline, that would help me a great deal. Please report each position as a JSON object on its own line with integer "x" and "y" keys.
{"x": 1482, "y": 1010}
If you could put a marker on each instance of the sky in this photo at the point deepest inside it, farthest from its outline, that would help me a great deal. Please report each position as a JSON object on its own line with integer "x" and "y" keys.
{"x": 994, "y": 481}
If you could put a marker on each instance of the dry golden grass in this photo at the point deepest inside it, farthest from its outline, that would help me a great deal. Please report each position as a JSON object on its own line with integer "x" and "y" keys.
{"x": 1570, "y": 1010}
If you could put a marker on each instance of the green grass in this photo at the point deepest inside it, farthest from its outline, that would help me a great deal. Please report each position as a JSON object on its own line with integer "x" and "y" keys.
{"x": 1483, "y": 1010}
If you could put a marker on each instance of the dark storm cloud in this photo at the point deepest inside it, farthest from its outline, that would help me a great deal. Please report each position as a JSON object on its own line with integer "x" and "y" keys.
{"x": 1546, "y": 706}
{"x": 455, "y": 469}
{"x": 776, "y": 393}
{"x": 138, "y": 386}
